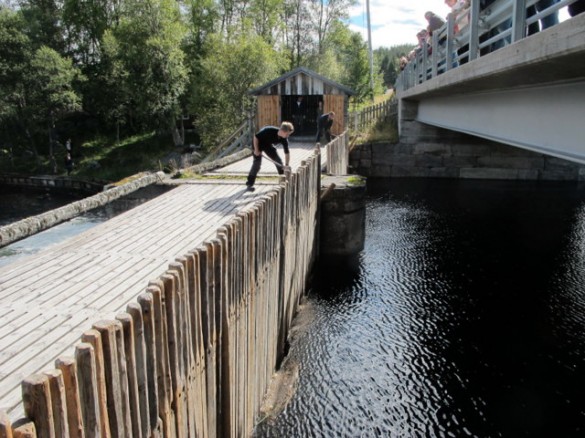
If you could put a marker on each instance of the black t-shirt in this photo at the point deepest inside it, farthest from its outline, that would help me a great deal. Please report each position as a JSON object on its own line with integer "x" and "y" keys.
{"x": 268, "y": 136}
{"x": 325, "y": 122}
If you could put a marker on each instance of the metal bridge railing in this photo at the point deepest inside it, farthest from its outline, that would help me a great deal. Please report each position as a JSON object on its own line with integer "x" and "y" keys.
{"x": 470, "y": 34}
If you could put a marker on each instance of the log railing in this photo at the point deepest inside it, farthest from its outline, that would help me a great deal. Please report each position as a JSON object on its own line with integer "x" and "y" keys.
{"x": 194, "y": 355}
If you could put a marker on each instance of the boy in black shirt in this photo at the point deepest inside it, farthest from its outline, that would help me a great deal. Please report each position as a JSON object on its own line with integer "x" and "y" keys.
{"x": 264, "y": 141}
{"x": 324, "y": 124}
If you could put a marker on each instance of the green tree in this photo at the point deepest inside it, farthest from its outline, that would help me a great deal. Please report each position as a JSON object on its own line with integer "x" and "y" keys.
{"x": 50, "y": 93}
{"x": 324, "y": 14}
{"x": 298, "y": 40}
{"x": 387, "y": 58}
{"x": 14, "y": 57}
{"x": 115, "y": 98}
{"x": 150, "y": 39}
{"x": 86, "y": 22}
{"x": 219, "y": 97}
{"x": 265, "y": 16}
{"x": 44, "y": 23}
{"x": 15, "y": 52}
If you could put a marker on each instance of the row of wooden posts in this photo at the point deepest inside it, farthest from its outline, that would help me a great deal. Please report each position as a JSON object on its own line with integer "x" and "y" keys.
{"x": 194, "y": 355}
{"x": 338, "y": 154}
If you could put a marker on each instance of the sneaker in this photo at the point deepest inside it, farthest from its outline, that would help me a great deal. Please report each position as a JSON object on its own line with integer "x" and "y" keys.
{"x": 250, "y": 188}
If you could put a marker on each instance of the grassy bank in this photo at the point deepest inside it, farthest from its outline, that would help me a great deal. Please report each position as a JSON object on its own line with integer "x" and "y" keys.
{"x": 102, "y": 158}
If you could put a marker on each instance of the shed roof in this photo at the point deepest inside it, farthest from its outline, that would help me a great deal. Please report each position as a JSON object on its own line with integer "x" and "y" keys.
{"x": 258, "y": 90}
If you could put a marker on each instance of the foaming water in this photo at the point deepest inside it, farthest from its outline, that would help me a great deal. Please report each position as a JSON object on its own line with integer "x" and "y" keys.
{"x": 465, "y": 318}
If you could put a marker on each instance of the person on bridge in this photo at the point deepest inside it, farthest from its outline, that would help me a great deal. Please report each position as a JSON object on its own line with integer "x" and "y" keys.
{"x": 324, "y": 126}
{"x": 576, "y": 8}
{"x": 299, "y": 112}
{"x": 264, "y": 141}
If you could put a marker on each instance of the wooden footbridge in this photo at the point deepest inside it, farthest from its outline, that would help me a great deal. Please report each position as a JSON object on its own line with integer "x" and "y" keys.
{"x": 167, "y": 320}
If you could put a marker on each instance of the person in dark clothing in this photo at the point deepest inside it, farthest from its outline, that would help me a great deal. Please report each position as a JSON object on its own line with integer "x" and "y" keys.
{"x": 68, "y": 163}
{"x": 264, "y": 141}
{"x": 324, "y": 126}
{"x": 576, "y": 8}
{"x": 435, "y": 22}
{"x": 299, "y": 111}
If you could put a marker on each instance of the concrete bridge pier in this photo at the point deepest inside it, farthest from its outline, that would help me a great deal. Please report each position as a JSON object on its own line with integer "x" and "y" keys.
{"x": 426, "y": 150}
{"x": 342, "y": 220}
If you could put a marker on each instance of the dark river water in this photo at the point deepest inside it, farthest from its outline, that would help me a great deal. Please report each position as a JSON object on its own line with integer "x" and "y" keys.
{"x": 466, "y": 318}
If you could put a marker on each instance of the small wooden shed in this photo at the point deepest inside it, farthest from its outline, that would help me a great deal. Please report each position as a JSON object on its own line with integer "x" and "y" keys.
{"x": 300, "y": 96}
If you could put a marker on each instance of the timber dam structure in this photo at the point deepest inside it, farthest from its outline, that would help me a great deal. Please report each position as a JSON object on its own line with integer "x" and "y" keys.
{"x": 167, "y": 320}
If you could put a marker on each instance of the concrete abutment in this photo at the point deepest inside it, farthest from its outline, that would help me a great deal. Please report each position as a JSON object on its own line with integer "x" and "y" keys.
{"x": 429, "y": 151}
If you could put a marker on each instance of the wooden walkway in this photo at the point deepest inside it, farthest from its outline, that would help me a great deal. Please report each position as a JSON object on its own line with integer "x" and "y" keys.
{"x": 49, "y": 299}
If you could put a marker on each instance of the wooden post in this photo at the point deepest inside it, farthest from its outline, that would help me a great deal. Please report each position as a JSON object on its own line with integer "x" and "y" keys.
{"x": 141, "y": 374}
{"x": 123, "y": 377}
{"x": 165, "y": 394}
{"x": 5, "y": 426}
{"x": 115, "y": 395}
{"x": 170, "y": 289}
{"x": 68, "y": 368}
{"x": 36, "y": 396}
{"x": 24, "y": 429}
{"x": 89, "y": 392}
{"x": 127, "y": 326}
{"x": 94, "y": 339}
{"x": 58, "y": 403}
{"x": 146, "y": 302}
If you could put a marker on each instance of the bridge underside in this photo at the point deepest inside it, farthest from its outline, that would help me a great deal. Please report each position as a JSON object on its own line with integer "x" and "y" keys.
{"x": 549, "y": 119}
{"x": 530, "y": 94}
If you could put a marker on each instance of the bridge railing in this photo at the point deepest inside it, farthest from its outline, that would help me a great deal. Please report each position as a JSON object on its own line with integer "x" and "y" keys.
{"x": 473, "y": 33}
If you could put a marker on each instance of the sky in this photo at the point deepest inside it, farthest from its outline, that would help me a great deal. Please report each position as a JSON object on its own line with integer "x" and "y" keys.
{"x": 398, "y": 21}
{"x": 394, "y": 21}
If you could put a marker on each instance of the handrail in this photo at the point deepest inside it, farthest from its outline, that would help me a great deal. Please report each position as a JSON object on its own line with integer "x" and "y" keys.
{"x": 501, "y": 23}
{"x": 237, "y": 140}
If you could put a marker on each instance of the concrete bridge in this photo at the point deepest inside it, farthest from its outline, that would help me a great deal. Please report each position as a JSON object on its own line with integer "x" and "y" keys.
{"x": 529, "y": 94}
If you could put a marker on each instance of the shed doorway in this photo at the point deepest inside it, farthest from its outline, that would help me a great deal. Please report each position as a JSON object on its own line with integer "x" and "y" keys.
{"x": 302, "y": 111}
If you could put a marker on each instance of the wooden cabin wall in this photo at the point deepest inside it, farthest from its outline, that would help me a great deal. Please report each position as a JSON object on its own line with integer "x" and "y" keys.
{"x": 268, "y": 111}
{"x": 337, "y": 105}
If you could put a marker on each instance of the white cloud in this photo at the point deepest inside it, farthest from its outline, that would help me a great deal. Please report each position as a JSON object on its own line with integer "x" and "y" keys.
{"x": 394, "y": 22}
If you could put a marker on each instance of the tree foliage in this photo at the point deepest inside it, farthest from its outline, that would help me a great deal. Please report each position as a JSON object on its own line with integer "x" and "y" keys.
{"x": 388, "y": 61}
{"x": 220, "y": 97}
{"x": 131, "y": 66}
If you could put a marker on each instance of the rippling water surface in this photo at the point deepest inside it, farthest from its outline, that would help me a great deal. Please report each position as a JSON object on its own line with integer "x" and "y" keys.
{"x": 466, "y": 318}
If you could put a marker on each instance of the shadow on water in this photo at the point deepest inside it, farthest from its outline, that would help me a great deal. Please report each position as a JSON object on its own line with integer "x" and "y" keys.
{"x": 335, "y": 275}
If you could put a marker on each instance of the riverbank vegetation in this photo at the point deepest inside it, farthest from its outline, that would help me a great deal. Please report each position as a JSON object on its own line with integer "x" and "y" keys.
{"x": 130, "y": 82}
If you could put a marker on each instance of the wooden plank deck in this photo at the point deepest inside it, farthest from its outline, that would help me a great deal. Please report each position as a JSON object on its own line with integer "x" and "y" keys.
{"x": 49, "y": 299}
{"x": 299, "y": 151}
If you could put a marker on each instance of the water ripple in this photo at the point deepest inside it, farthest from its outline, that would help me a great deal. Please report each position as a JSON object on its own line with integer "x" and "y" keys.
{"x": 453, "y": 327}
